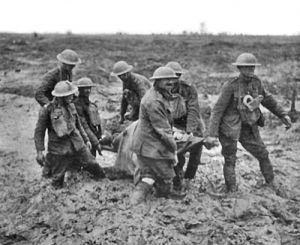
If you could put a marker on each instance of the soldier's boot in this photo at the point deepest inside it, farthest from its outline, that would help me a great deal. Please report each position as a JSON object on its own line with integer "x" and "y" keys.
{"x": 46, "y": 172}
{"x": 178, "y": 179}
{"x": 140, "y": 193}
{"x": 230, "y": 178}
{"x": 186, "y": 185}
{"x": 268, "y": 173}
{"x": 95, "y": 170}
{"x": 165, "y": 189}
{"x": 179, "y": 173}
{"x": 58, "y": 181}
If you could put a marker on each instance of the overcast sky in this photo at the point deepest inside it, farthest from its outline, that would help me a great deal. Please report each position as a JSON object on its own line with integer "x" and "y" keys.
{"x": 258, "y": 17}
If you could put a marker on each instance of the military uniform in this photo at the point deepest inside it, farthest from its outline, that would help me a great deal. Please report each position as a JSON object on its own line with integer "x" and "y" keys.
{"x": 153, "y": 143}
{"x": 43, "y": 94}
{"x": 66, "y": 141}
{"x": 227, "y": 124}
{"x": 134, "y": 89}
{"x": 191, "y": 122}
{"x": 90, "y": 120}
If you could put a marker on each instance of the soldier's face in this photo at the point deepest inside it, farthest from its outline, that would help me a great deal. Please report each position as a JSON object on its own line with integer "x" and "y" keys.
{"x": 247, "y": 70}
{"x": 67, "y": 67}
{"x": 68, "y": 99}
{"x": 175, "y": 85}
{"x": 124, "y": 76}
{"x": 85, "y": 91}
{"x": 165, "y": 84}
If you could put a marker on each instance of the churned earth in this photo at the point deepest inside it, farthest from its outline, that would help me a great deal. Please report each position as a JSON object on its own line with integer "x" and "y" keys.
{"x": 90, "y": 212}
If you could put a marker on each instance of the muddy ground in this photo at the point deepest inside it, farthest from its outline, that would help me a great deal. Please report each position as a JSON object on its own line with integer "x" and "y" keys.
{"x": 90, "y": 212}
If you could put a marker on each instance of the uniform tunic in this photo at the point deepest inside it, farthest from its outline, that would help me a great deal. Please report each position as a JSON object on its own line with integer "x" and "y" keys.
{"x": 90, "y": 120}
{"x": 137, "y": 85}
{"x": 226, "y": 123}
{"x": 190, "y": 122}
{"x": 153, "y": 137}
{"x": 66, "y": 141}
{"x": 43, "y": 94}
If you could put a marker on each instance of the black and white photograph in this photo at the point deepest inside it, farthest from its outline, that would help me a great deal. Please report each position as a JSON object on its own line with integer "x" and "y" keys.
{"x": 149, "y": 122}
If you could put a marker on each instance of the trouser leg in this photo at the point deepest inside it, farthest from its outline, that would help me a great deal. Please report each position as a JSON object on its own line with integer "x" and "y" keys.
{"x": 252, "y": 142}
{"x": 229, "y": 150}
{"x": 177, "y": 181}
{"x": 194, "y": 162}
{"x": 89, "y": 163}
{"x": 59, "y": 165}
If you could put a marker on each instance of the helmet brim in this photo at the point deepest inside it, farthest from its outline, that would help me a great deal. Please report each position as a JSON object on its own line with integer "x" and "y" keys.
{"x": 163, "y": 77}
{"x": 85, "y": 86}
{"x": 61, "y": 59}
{"x": 245, "y": 64}
{"x": 73, "y": 91}
{"x": 130, "y": 67}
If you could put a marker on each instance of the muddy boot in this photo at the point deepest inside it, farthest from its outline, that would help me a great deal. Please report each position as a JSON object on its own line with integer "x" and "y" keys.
{"x": 46, "y": 172}
{"x": 140, "y": 193}
{"x": 95, "y": 170}
{"x": 165, "y": 189}
{"x": 230, "y": 179}
{"x": 279, "y": 190}
{"x": 186, "y": 185}
{"x": 178, "y": 180}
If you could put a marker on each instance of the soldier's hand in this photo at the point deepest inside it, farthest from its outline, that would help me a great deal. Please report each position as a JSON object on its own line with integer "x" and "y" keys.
{"x": 286, "y": 120}
{"x": 99, "y": 149}
{"x": 211, "y": 142}
{"x": 40, "y": 158}
{"x": 89, "y": 145}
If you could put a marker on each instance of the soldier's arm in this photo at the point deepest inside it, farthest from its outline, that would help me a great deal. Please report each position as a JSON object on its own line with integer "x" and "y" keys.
{"x": 271, "y": 104}
{"x": 219, "y": 109}
{"x": 47, "y": 86}
{"x": 123, "y": 108}
{"x": 92, "y": 137}
{"x": 81, "y": 129}
{"x": 141, "y": 88}
{"x": 40, "y": 130}
{"x": 160, "y": 123}
{"x": 193, "y": 112}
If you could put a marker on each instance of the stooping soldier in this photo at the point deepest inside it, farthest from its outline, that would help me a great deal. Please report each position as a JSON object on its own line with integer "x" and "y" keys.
{"x": 68, "y": 59}
{"x": 153, "y": 142}
{"x": 187, "y": 117}
{"x": 89, "y": 115}
{"x": 67, "y": 140}
{"x": 236, "y": 117}
{"x": 134, "y": 88}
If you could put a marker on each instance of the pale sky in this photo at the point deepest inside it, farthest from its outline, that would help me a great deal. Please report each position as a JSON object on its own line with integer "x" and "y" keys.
{"x": 257, "y": 17}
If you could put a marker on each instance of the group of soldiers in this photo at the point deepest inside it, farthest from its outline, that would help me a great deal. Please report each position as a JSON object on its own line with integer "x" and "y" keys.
{"x": 168, "y": 125}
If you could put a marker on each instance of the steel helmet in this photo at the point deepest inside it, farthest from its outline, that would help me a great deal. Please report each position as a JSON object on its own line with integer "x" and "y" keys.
{"x": 121, "y": 67}
{"x": 163, "y": 72}
{"x": 246, "y": 59}
{"x": 64, "y": 88}
{"x": 69, "y": 56}
{"x": 84, "y": 82}
{"x": 175, "y": 66}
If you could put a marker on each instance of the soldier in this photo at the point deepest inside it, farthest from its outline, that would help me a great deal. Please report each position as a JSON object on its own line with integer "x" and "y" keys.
{"x": 236, "y": 117}
{"x": 190, "y": 121}
{"x": 134, "y": 88}
{"x": 67, "y": 140}
{"x": 153, "y": 142}
{"x": 88, "y": 112}
{"x": 68, "y": 59}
